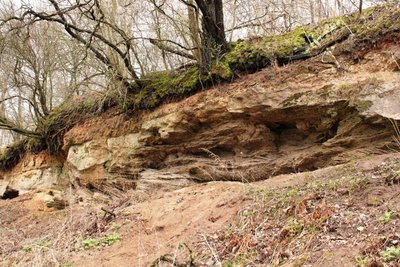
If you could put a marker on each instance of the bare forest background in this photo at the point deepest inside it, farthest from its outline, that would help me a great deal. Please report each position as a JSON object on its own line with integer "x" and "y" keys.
{"x": 52, "y": 51}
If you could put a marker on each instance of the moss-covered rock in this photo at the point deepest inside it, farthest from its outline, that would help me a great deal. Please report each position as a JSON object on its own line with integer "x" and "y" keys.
{"x": 221, "y": 71}
{"x": 172, "y": 85}
{"x": 159, "y": 86}
{"x": 251, "y": 55}
{"x": 377, "y": 22}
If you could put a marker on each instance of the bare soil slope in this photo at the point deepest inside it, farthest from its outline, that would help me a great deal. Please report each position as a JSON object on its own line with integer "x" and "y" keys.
{"x": 337, "y": 216}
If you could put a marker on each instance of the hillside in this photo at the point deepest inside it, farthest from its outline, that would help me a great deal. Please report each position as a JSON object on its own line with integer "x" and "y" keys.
{"x": 286, "y": 154}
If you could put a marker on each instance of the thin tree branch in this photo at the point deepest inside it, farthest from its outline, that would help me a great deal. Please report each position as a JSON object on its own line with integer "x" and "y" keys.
{"x": 170, "y": 49}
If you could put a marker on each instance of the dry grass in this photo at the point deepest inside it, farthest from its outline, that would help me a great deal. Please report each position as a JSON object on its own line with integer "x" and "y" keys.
{"x": 302, "y": 225}
{"x": 396, "y": 136}
{"x": 50, "y": 239}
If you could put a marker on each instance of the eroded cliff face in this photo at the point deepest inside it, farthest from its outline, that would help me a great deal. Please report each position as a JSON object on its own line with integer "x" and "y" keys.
{"x": 300, "y": 117}
{"x": 34, "y": 172}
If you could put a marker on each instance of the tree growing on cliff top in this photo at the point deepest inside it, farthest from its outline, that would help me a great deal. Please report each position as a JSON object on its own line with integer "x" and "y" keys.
{"x": 212, "y": 35}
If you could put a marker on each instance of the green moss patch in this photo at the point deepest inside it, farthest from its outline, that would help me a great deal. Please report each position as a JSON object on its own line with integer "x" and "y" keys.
{"x": 251, "y": 55}
{"x": 377, "y": 22}
{"x": 174, "y": 85}
{"x": 309, "y": 41}
{"x": 164, "y": 84}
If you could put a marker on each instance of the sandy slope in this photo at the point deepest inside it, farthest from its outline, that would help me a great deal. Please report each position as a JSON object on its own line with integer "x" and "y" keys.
{"x": 196, "y": 215}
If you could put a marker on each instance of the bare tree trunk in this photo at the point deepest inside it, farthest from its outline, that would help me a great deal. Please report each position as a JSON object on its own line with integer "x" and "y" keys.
{"x": 312, "y": 15}
{"x": 194, "y": 30}
{"x": 213, "y": 40}
{"x": 159, "y": 37}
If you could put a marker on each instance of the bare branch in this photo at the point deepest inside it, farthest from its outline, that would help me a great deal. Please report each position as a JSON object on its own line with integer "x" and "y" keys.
{"x": 170, "y": 49}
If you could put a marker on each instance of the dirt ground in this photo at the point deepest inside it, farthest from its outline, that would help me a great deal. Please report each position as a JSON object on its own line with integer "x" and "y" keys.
{"x": 346, "y": 215}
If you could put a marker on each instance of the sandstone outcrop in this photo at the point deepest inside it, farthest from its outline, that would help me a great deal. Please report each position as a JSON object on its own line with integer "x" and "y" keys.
{"x": 34, "y": 172}
{"x": 276, "y": 121}
{"x": 294, "y": 118}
